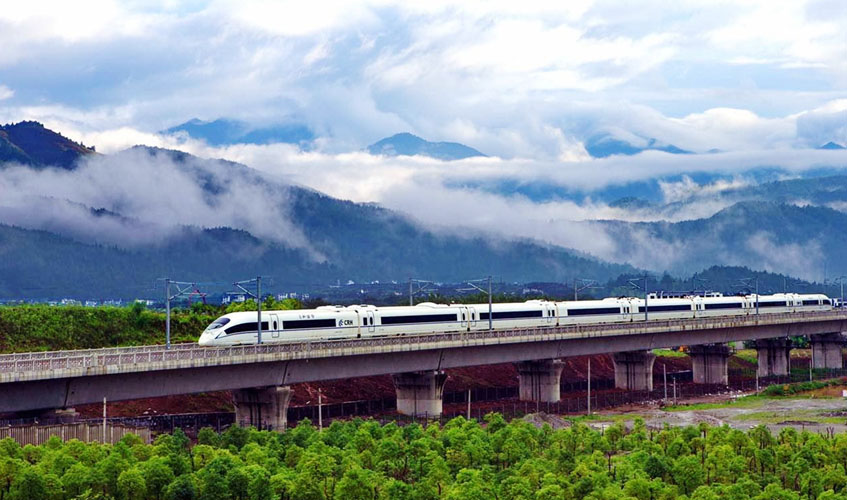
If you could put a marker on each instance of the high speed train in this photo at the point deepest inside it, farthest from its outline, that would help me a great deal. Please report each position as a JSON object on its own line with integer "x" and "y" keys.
{"x": 363, "y": 321}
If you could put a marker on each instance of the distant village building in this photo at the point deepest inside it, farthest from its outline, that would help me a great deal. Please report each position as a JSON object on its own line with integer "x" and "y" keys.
{"x": 230, "y": 297}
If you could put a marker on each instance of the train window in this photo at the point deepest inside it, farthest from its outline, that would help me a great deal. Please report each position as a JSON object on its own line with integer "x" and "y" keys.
{"x": 274, "y": 325}
{"x": 246, "y": 327}
{"x": 428, "y": 318}
{"x": 308, "y": 323}
{"x": 513, "y": 314}
{"x": 218, "y": 323}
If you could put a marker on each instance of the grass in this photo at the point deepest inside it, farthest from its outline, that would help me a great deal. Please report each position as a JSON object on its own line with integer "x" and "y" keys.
{"x": 752, "y": 401}
{"x": 669, "y": 353}
{"x": 748, "y": 355}
{"x": 774, "y": 417}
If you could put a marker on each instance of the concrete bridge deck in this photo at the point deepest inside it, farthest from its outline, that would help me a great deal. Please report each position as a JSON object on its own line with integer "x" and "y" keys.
{"x": 41, "y": 365}
{"x": 60, "y": 379}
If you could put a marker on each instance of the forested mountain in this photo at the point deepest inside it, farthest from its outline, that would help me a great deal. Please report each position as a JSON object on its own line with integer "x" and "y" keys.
{"x": 30, "y": 143}
{"x": 802, "y": 240}
{"x": 228, "y": 221}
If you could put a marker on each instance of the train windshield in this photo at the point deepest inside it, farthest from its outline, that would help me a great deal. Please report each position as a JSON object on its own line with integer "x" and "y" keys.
{"x": 218, "y": 323}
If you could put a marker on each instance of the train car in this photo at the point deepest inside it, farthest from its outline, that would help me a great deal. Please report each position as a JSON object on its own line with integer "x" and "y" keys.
{"x": 532, "y": 313}
{"x": 815, "y": 302}
{"x": 426, "y": 317}
{"x": 718, "y": 305}
{"x": 338, "y": 322}
{"x": 662, "y": 309}
{"x": 772, "y": 304}
{"x": 610, "y": 310}
{"x": 323, "y": 323}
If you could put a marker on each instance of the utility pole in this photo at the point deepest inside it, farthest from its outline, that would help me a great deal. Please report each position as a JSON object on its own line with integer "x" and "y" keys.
{"x": 586, "y": 283}
{"x": 422, "y": 285}
{"x": 634, "y": 284}
{"x": 320, "y": 410}
{"x": 182, "y": 287}
{"x": 474, "y": 286}
{"x": 258, "y": 297}
{"x": 259, "y": 307}
{"x": 589, "y": 386}
{"x": 104, "y": 420}
{"x": 490, "y": 307}
{"x": 167, "y": 313}
{"x": 746, "y": 282}
{"x": 665, "y": 377}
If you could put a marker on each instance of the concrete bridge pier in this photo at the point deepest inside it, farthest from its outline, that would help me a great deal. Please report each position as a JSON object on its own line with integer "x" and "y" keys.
{"x": 420, "y": 394}
{"x": 540, "y": 380}
{"x": 634, "y": 370}
{"x": 262, "y": 407}
{"x": 709, "y": 363}
{"x": 773, "y": 356}
{"x": 826, "y": 350}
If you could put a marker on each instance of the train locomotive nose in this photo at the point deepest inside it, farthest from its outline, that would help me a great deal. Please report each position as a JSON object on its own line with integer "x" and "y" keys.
{"x": 205, "y": 339}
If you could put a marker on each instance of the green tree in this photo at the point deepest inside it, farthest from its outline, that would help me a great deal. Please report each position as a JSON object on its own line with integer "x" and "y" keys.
{"x": 28, "y": 485}
{"x": 182, "y": 488}
{"x": 131, "y": 485}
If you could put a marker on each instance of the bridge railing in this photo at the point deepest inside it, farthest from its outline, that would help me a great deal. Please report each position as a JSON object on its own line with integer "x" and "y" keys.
{"x": 57, "y": 360}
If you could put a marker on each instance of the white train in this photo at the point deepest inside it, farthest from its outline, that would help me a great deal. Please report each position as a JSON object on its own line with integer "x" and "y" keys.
{"x": 362, "y": 321}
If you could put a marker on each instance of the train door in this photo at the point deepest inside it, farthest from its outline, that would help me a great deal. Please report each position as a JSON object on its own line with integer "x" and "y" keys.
{"x": 275, "y": 326}
{"x": 473, "y": 316}
{"x": 371, "y": 325}
{"x": 549, "y": 312}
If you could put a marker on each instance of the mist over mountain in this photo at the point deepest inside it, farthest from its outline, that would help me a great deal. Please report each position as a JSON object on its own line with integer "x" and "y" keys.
{"x": 405, "y": 144}
{"x": 605, "y": 145}
{"x": 120, "y": 221}
{"x": 160, "y": 211}
{"x": 224, "y": 131}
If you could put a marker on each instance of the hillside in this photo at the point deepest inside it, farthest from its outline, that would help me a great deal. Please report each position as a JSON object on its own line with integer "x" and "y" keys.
{"x": 800, "y": 240}
{"x": 406, "y": 144}
{"x": 30, "y": 143}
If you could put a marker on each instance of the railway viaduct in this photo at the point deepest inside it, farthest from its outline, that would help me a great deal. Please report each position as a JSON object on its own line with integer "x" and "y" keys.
{"x": 260, "y": 375}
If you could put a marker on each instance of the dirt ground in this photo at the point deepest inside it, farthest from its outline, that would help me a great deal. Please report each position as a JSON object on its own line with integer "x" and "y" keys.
{"x": 810, "y": 412}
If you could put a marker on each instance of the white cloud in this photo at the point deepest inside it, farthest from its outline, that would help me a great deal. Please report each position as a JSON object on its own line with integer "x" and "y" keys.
{"x": 6, "y": 92}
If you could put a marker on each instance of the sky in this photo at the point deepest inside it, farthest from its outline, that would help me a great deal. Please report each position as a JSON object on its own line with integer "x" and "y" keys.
{"x": 527, "y": 83}
{"x": 515, "y": 80}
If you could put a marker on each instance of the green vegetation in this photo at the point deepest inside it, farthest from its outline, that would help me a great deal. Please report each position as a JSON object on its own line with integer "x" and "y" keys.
{"x": 463, "y": 460}
{"x": 751, "y": 401}
{"x": 47, "y": 328}
{"x": 800, "y": 387}
{"x": 669, "y": 353}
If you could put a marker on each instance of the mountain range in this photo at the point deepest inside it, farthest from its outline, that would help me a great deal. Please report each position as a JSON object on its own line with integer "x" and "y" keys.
{"x": 224, "y": 131}
{"x": 115, "y": 245}
{"x": 104, "y": 253}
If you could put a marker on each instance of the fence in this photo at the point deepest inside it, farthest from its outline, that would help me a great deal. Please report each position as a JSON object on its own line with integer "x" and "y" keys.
{"x": 88, "y": 431}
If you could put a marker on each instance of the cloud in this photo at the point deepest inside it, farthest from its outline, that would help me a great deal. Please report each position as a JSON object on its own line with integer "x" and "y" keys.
{"x": 529, "y": 82}
{"x": 153, "y": 196}
{"x": 6, "y": 92}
